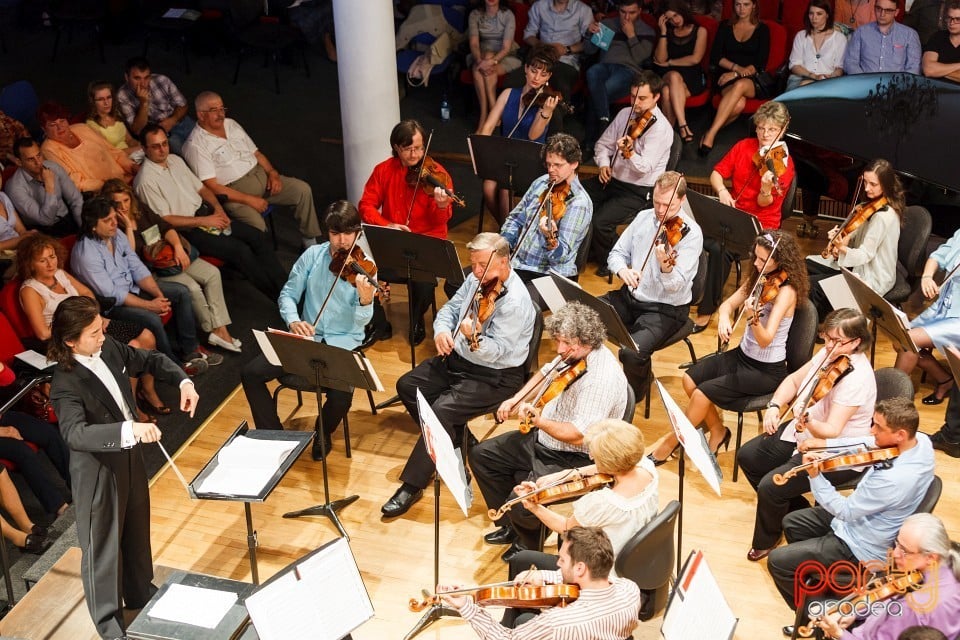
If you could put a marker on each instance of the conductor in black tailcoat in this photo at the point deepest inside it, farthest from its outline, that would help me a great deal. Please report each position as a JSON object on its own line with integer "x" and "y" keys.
{"x": 93, "y": 399}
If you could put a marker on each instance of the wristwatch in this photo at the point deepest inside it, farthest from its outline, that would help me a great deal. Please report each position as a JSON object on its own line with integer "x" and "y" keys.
{"x": 773, "y": 405}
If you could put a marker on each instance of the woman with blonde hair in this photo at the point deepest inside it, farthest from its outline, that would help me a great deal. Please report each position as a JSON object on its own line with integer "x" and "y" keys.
{"x": 104, "y": 118}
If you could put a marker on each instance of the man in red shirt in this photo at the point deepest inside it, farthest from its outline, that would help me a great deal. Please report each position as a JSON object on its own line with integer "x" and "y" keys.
{"x": 391, "y": 200}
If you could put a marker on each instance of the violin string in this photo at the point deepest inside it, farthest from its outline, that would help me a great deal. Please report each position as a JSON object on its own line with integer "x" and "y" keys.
{"x": 416, "y": 186}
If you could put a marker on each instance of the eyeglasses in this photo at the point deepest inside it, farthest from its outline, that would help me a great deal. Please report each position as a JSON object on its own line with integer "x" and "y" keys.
{"x": 898, "y": 546}
{"x": 215, "y": 110}
{"x": 837, "y": 340}
{"x": 880, "y": 9}
{"x": 953, "y": 19}
{"x": 768, "y": 130}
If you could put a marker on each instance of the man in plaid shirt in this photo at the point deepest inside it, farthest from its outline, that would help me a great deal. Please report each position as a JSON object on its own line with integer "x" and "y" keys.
{"x": 151, "y": 98}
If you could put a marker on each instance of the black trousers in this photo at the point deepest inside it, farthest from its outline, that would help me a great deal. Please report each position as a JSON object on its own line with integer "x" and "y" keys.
{"x": 651, "y": 324}
{"x": 258, "y": 372}
{"x": 248, "y": 251}
{"x": 614, "y": 204}
{"x": 718, "y": 268}
{"x": 499, "y": 464}
{"x": 951, "y": 420}
{"x": 421, "y": 293}
{"x": 760, "y": 459}
{"x": 457, "y": 391}
{"x": 47, "y": 437}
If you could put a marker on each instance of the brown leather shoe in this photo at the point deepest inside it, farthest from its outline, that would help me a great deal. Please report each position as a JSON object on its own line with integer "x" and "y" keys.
{"x": 755, "y": 555}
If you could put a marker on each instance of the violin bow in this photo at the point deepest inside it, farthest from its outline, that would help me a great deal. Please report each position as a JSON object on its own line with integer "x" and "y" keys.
{"x": 659, "y": 230}
{"x": 807, "y": 388}
{"x": 763, "y": 161}
{"x": 853, "y": 209}
{"x": 416, "y": 187}
{"x": 535, "y": 217}
{"x": 326, "y": 298}
{"x": 754, "y": 292}
{"x": 626, "y": 126}
{"x": 523, "y": 114}
{"x": 473, "y": 297}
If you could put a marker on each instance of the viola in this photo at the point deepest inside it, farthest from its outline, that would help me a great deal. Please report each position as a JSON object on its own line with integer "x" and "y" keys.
{"x": 858, "y": 216}
{"x": 882, "y": 588}
{"x": 350, "y": 264}
{"x": 484, "y": 305}
{"x": 770, "y": 284}
{"x": 537, "y": 98}
{"x": 553, "y": 203}
{"x": 510, "y": 595}
{"x": 670, "y": 235}
{"x": 775, "y": 161}
{"x": 555, "y": 492}
{"x": 429, "y": 174}
{"x": 827, "y": 377}
{"x": 841, "y": 462}
{"x": 553, "y": 387}
{"x": 638, "y": 126}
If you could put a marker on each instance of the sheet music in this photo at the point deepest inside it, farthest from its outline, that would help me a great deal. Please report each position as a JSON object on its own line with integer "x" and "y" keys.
{"x": 838, "y": 293}
{"x": 448, "y": 461}
{"x": 35, "y": 360}
{"x": 246, "y": 465}
{"x": 698, "y": 610}
{"x": 193, "y": 605}
{"x": 548, "y": 290}
{"x": 694, "y": 444}
{"x": 266, "y": 348}
{"x": 365, "y": 364}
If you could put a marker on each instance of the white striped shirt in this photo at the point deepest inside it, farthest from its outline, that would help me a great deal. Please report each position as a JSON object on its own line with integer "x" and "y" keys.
{"x": 598, "y": 614}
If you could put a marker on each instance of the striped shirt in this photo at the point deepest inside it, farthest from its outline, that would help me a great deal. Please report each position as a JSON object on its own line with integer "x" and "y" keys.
{"x": 598, "y": 614}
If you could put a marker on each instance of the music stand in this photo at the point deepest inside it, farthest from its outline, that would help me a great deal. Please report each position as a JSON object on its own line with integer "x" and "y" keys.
{"x": 421, "y": 258}
{"x": 513, "y": 164}
{"x": 552, "y": 285}
{"x": 881, "y": 312}
{"x": 734, "y": 229}
{"x": 328, "y": 367}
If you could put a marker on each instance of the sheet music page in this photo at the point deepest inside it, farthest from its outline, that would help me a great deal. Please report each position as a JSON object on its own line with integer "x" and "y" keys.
{"x": 838, "y": 293}
{"x": 193, "y": 605}
{"x": 549, "y": 292}
{"x": 440, "y": 448}
{"x": 694, "y": 444}
{"x": 268, "y": 351}
{"x": 35, "y": 360}
{"x": 698, "y": 610}
{"x": 365, "y": 364}
{"x": 246, "y": 465}
{"x": 282, "y": 610}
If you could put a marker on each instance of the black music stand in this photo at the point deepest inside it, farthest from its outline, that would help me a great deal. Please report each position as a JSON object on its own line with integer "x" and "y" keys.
{"x": 421, "y": 258}
{"x": 513, "y": 164}
{"x": 881, "y": 313}
{"x": 570, "y": 291}
{"x": 734, "y": 229}
{"x": 328, "y": 367}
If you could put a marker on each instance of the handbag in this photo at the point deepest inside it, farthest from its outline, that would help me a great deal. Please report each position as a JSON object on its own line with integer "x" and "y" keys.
{"x": 161, "y": 258}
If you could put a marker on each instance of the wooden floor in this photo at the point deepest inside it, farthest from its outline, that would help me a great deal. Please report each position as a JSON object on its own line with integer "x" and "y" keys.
{"x": 395, "y": 558}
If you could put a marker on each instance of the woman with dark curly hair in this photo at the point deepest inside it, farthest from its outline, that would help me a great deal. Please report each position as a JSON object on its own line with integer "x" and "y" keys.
{"x": 758, "y": 365}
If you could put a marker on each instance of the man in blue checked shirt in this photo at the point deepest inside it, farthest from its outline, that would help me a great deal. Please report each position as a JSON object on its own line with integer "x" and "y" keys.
{"x": 540, "y": 238}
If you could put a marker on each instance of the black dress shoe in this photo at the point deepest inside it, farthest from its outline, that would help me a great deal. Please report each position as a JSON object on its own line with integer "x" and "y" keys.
{"x": 512, "y": 552}
{"x": 419, "y": 333}
{"x": 503, "y": 535}
{"x": 788, "y": 630}
{"x": 35, "y": 544}
{"x": 703, "y": 150}
{"x": 697, "y": 328}
{"x": 317, "y": 452}
{"x": 40, "y": 532}
{"x": 940, "y": 442}
{"x": 400, "y": 502}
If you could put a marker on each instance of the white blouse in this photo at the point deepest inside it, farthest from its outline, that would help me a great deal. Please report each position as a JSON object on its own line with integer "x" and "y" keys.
{"x": 820, "y": 62}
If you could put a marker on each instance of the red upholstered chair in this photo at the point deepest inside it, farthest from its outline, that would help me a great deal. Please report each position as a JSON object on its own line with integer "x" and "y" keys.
{"x": 520, "y": 11}
{"x": 792, "y": 19}
{"x": 10, "y": 346}
{"x": 769, "y": 9}
{"x": 778, "y": 55}
{"x": 711, "y": 25}
{"x": 10, "y": 306}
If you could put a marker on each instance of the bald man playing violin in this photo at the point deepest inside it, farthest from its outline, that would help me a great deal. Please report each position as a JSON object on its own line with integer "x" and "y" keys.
{"x": 862, "y": 526}
{"x": 340, "y": 325}
{"x": 392, "y": 197}
{"x": 606, "y": 608}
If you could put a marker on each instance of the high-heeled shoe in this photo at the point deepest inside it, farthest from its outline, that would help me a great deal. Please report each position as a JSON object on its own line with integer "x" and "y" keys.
{"x": 686, "y": 134}
{"x": 149, "y": 408}
{"x": 725, "y": 443}
{"x": 937, "y": 397}
{"x": 657, "y": 462}
{"x": 704, "y": 150}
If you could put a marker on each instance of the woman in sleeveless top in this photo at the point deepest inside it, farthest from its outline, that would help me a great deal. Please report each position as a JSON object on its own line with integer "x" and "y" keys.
{"x": 46, "y": 285}
{"x": 104, "y": 118}
{"x": 758, "y": 365}
{"x": 677, "y": 58}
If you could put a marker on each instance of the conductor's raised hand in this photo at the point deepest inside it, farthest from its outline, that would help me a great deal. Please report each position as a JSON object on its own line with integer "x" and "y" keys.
{"x": 146, "y": 431}
{"x": 189, "y": 398}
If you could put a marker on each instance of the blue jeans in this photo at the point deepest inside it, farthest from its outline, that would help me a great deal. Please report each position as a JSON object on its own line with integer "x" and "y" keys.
{"x": 184, "y": 322}
{"x": 607, "y": 82}
{"x": 178, "y": 134}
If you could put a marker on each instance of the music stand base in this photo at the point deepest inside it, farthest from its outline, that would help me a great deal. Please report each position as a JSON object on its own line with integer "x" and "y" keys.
{"x": 388, "y": 403}
{"x": 328, "y": 509}
{"x": 434, "y": 613}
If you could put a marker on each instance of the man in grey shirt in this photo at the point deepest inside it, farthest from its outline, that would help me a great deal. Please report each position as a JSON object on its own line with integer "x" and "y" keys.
{"x": 42, "y": 192}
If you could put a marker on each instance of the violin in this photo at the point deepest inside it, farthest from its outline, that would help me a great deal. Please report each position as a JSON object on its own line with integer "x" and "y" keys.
{"x": 484, "y": 305}
{"x": 841, "y": 461}
{"x": 770, "y": 284}
{"x": 428, "y": 174}
{"x": 537, "y": 98}
{"x": 881, "y": 588}
{"x": 553, "y": 387}
{"x": 672, "y": 232}
{"x": 508, "y": 595}
{"x": 858, "y": 216}
{"x": 638, "y": 126}
{"x": 553, "y": 203}
{"x": 555, "y": 492}
{"x": 757, "y": 292}
{"x": 349, "y": 264}
{"x": 775, "y": 161}
{"x": 827, "y": 377}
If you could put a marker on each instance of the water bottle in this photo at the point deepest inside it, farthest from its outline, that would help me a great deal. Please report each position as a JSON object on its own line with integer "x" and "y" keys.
{"x": 444, "y": 108}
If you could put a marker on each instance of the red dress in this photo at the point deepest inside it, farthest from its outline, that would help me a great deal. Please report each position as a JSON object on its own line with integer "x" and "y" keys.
{"x": 386, "y": 200}
{"x": 738, "y": 166}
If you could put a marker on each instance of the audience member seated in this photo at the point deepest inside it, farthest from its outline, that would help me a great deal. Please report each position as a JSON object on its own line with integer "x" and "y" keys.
{"x": 870, "y": 251}
{"x": 150, "y": 98}
{"x": 561, "y": 24}
{"x": 167, "y": 186}
{"x": 45, "y": 285}
{"x": 883, "y": 45}
{"x": 105, "y": 261}
{"x": 520, "y": 118}
{"x": 43, "y": 193}
{"x": 941, "y": 53}
{"x": 12, "y": 230}
{"x": 818, "y": 50}
{"x": 87, "y": 158}
{"x": 852, "y": 14}
{"x": 738, "y": 58}
{"x": 23, "y": 533}
{"x": 609, "y": 78}
{"x": 629, "y": 165}
{"x": 11, "y": 130}
{"x": 172, "y": 259}
{"x": 491, "y": 31}
{"x": 104, "y": 118}
{"x": 315, "y": 21}
{"x": 678, "y": 59}
{"x": 229, "y": 163}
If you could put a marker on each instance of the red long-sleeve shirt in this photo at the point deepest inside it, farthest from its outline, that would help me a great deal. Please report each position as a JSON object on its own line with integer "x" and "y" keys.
{"x": 386, "y": 200}
{"x": 738, "y": 166}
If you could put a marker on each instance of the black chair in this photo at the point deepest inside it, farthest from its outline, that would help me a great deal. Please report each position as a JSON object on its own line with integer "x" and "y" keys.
{"x": 931, "y": 497}
{"x": 696, "y": 293}
{"x": 914, "y": 235}
{"x": 675, "y": 150}
{"x": 69, "y": 15}
{"x": 170, "y": 29}
{"x": 583, "y": 251}
{"x": 800, "y": 339}
{"x": 893, "y": 383}
{"x": 786, "y": 208}
{"x": 648, "y": 559}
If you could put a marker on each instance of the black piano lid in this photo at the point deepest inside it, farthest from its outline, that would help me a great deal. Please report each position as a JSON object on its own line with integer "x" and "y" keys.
{"x": 912, "y": 121}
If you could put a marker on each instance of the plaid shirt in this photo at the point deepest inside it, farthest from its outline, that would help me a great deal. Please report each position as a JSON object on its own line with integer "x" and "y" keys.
{"x": 571, "y": 230}
{"x": 164, "y": 99}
